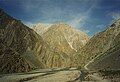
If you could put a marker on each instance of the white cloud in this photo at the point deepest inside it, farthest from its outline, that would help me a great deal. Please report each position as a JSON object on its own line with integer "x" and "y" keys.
{"x": 79, "y": 20}
{"x": 51, "y": 13}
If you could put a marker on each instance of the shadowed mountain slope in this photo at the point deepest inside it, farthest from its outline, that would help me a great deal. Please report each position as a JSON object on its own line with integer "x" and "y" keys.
{"x": 106, "y": 43}
{"x": 16, "y": 41}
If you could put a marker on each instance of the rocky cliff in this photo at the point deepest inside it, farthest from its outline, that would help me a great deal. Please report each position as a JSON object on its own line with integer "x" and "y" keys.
{"x": 19, "y": 46}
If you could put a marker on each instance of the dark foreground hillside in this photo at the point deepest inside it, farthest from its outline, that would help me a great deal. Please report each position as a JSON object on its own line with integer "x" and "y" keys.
{"x": 16, "y": 41}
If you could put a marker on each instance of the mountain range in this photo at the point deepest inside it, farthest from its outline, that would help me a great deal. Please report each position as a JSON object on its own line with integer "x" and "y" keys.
{"x": 59, "y": 45}
{"x": 34, "y": 51}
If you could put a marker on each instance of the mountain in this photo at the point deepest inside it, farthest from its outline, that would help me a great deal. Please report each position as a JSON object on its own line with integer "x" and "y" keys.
{"x": 22, "y": 49}
{"x": 64, "y": 41}
{"x": 19, "y": 46}
{"x": 62, "y": 37}
{"x": 103, "y": 49}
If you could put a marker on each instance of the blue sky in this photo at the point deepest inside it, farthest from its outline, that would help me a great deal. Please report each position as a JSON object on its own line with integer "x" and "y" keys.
{"x": 90, "y": 16}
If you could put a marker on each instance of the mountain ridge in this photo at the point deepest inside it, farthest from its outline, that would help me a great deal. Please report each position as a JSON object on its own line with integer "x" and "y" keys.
{"x": 100, "y": 43}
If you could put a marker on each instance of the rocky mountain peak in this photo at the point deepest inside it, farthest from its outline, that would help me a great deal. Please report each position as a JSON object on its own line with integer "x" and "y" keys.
{"x": 60, "y": 32}
{"x": 61, "y": 26}
{"x": 41, "y": 28}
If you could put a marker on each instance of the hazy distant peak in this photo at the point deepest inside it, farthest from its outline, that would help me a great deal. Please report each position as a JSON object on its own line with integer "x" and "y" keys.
{"x": 43, "y": 24}
{"x": 40, "y": 28}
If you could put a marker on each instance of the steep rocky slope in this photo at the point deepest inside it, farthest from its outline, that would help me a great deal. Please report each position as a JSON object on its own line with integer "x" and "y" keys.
{"x": 109, "y": 59}
{"x": 102, "y": 46}
{"x": 64, "y": 41}
{"x": 19, "y": 46}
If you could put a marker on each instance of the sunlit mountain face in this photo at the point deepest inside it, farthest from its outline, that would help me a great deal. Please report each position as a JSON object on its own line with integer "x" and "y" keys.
{"x": 60, "y": 40}
{"x": 90, "y": 16}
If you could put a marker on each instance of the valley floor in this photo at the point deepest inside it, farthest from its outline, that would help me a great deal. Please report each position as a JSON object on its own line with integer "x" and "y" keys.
{"x": 54, "y": 75}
